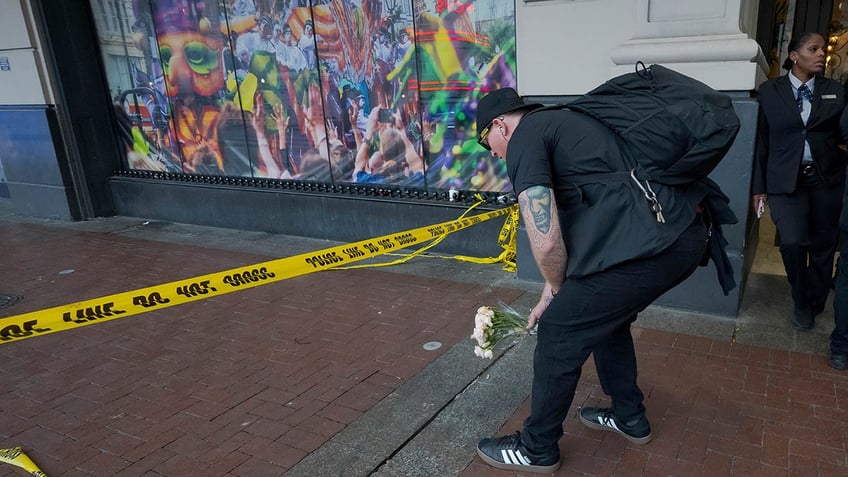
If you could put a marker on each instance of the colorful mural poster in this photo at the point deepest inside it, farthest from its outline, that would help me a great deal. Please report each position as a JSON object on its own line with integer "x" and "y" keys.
{"x": 334, "y": 91}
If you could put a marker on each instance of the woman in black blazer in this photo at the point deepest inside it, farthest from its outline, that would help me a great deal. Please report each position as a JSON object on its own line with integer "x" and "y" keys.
{"x": 801, "y": 168}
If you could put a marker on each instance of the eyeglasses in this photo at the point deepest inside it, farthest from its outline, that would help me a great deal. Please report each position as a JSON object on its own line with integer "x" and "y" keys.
{"x": 482, "y": 139}
{"x": 485, "y": 133}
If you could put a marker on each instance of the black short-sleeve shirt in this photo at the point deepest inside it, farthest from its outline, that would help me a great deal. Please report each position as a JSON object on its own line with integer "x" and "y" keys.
{"x": 605, "y": 218}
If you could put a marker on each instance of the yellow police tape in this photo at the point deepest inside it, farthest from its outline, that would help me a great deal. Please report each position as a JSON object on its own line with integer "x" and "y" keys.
{"x": 121, "y": 305}
{"x": 506, "y": 240}
{"x": 16, "y": 456}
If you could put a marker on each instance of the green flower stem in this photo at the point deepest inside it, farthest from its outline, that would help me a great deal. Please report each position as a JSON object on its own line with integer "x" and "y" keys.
{"x": 503, "y": 326}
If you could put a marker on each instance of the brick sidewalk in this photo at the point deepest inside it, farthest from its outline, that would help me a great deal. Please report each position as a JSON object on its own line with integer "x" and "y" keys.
{"x": 716, "y": 409}
{"x": 243, "y": 384}
{"x": 247, "y": 384}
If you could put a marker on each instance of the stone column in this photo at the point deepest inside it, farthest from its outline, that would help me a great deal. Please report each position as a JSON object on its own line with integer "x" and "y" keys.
{"x": 708, "y": 40}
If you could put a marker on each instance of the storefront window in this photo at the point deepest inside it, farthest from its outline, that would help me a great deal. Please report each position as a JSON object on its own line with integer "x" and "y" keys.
{"x": 368, "y": 91}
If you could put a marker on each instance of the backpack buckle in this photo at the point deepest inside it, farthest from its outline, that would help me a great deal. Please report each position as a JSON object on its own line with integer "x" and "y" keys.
{"x": 650, "y": 195}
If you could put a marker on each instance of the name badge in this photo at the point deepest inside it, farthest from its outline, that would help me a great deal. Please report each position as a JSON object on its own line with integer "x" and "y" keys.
{"x": 828, "y": 96}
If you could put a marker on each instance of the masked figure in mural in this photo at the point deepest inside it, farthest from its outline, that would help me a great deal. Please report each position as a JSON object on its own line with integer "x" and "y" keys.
{"x": 288, "y": 53}
{"x": 192, "y": 51}
{"x": 403, "y": 46}
{"x": 190, "y": 45}
{"x": 306, "y": 43}
{"x": 384, "y": 50}
{"x": 261, "y": 40}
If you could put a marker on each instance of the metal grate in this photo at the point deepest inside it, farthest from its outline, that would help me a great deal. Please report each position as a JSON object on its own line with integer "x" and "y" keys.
{"x": 9, "y": 300}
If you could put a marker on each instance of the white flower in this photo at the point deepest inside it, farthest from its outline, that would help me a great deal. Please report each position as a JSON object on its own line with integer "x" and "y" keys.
{"x": 479, "y": 335}
{"x": 483, "y": 353}
{"x": 493, "y": 326}
{"x": 483, "y": 319}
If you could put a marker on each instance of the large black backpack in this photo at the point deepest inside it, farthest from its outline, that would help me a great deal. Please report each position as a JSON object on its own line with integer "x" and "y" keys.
{"x": 676, "y": 128}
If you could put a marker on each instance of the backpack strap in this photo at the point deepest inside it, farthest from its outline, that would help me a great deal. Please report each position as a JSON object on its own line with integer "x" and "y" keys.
{"x": 598, "y": 178}
{"x": 622, "y": 177}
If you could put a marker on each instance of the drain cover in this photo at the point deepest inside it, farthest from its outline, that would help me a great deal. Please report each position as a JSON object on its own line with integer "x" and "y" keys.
{"x": 9, "y": 300}
{"x": 432, "y": 345}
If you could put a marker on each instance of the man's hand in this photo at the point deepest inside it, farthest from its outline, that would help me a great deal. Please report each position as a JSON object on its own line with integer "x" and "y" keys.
{"x": 547, "y": 297}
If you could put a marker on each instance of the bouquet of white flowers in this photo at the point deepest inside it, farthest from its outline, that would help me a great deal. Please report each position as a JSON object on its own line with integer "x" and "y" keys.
{"x": 491, "y": 326}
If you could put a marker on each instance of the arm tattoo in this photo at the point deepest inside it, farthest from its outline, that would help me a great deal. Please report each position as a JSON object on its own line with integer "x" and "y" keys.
{"x": 538, "y": 204}
{"x": 538, "y": 210}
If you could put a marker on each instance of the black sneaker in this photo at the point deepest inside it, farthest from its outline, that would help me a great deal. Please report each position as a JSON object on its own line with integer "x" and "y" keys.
{"x": 509, "y": 453}
{"x": 637, "y": 431}
{"x": 803, "y": 320}
{"x": 839, "y": 361}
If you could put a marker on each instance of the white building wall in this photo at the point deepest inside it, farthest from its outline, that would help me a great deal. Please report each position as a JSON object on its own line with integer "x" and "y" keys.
{"x": 22, "y": 66}
{"x": 564, "y": 46}
{"x": 567, "y": 47}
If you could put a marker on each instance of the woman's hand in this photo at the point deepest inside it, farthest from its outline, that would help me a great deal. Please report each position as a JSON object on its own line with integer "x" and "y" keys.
{"x": 758, "y": 200}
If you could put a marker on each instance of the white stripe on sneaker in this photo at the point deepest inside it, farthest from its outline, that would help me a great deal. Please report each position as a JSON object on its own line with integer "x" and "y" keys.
{"x": 610, "y": 422}
{"x": 515, "y": 458}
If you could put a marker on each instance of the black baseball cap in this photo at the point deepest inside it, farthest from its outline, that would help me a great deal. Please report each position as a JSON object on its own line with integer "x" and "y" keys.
{"x": 496, "y": 103}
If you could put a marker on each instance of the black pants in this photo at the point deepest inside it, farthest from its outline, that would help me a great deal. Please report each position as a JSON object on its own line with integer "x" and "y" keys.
{"x": 807, "y": 223}
{"x": 593, "y": 315}
{"x": 839, "y": 337}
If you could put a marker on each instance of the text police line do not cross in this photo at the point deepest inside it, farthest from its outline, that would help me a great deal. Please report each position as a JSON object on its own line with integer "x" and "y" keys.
{"x": 120, "y": 305}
